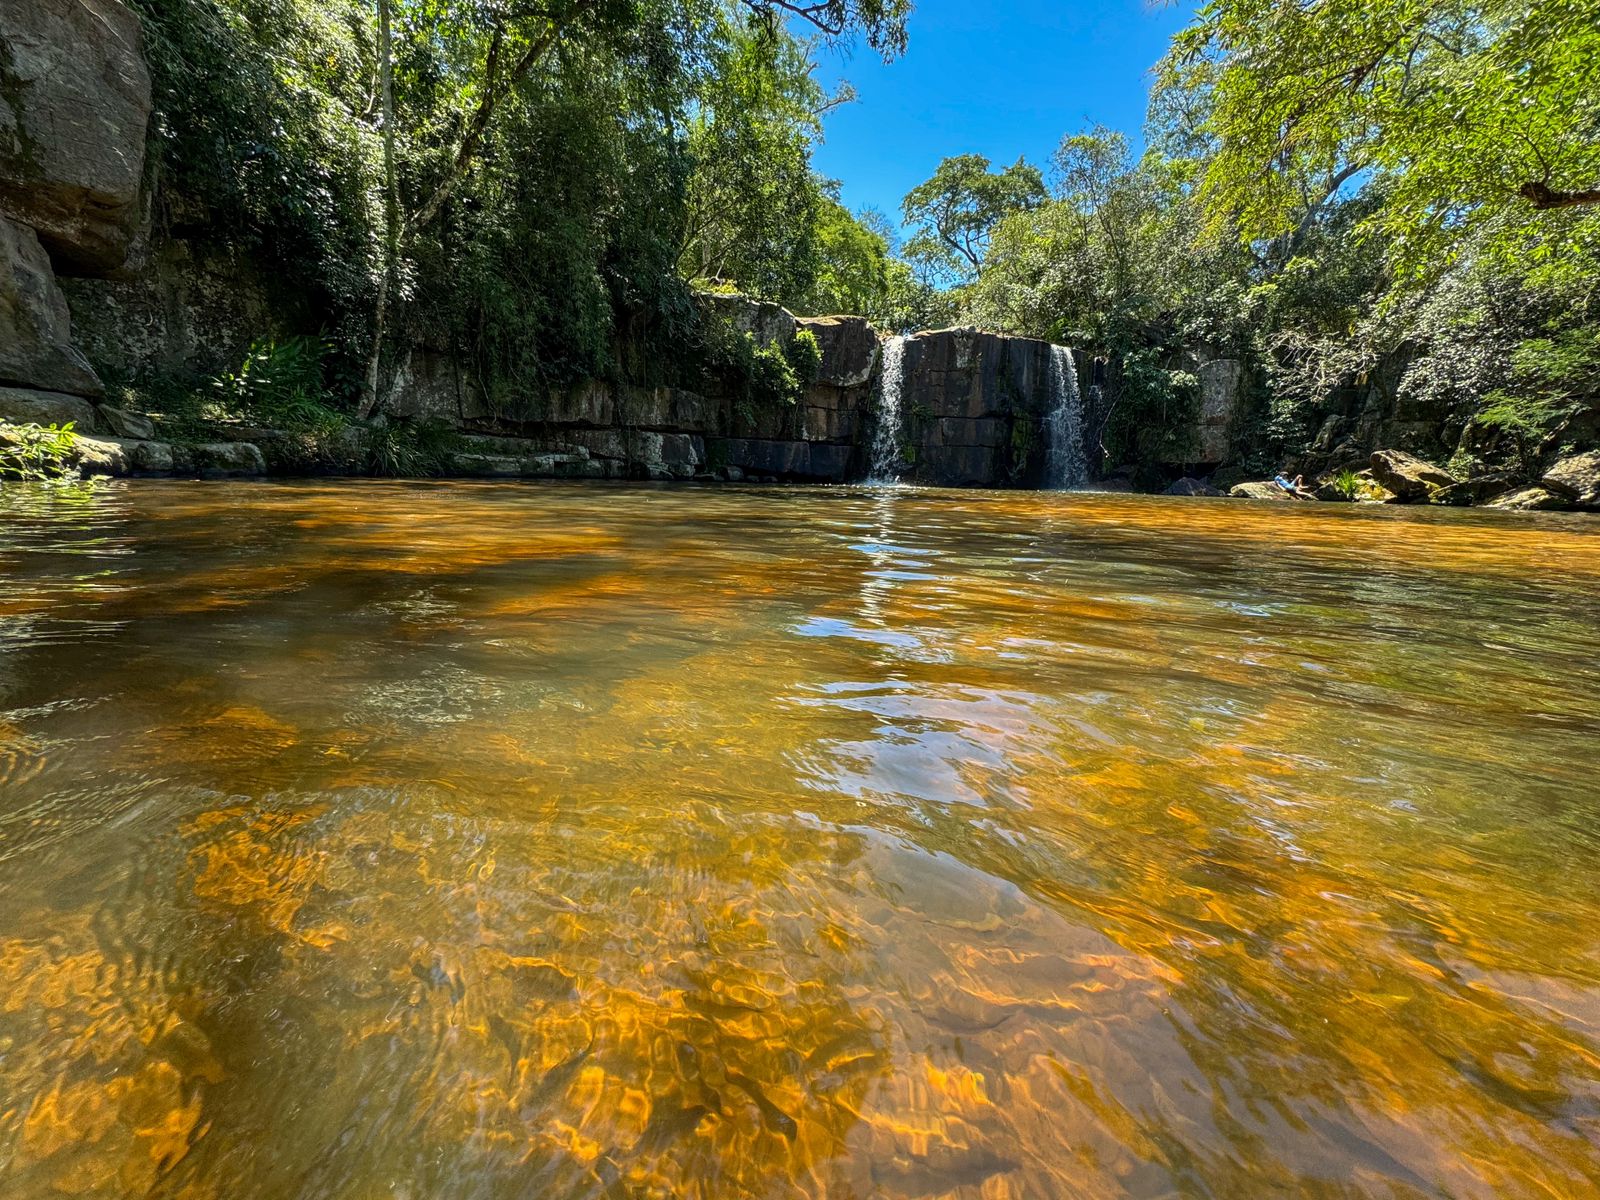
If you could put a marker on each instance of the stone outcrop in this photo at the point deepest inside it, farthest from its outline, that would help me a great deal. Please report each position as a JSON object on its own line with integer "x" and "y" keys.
{"x": 1258, "y": 491}
{"x": 189, "y": 312}
{"x": 36, "y": 348}
{"x": 973, "y": 408}
{"x": 1576, "y": 479}
{"x": 74, "y": 106}
{"x": 25, "y": 406}
{"x": 1408, "y": 477}
{"x": 1192, "y": 487}
{"x": 1529, "y": 499}
{"x": 126, "y": 424}
{"x": 1208, "y": 441}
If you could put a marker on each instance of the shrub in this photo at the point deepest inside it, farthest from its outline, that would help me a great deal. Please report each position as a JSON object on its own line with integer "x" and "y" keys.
{"x": 36, "y": 452}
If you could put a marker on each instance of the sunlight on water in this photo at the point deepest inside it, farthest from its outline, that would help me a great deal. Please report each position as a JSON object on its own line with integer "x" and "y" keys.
{"x": 423, "y": 841}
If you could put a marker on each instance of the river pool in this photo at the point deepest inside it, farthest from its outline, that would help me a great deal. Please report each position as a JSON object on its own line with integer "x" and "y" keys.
{"x": 433, "y": 841}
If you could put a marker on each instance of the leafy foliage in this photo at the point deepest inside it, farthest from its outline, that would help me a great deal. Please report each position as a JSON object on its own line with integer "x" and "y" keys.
{"x": 955, "y": 210}
{"x": 32, "y": 453}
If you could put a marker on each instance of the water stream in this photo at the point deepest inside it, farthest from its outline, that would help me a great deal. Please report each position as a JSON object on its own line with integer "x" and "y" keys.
{"x": 1065, "y": 465}
{"x": 516, "y": 840}
{"x": 886, "y": 452}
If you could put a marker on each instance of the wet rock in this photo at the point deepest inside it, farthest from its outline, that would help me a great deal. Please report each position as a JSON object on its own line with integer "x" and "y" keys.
{"x": 73, "y": 116}
{"x": 1191, "y": 487}
{"x": 794, "y": 459}
{"x": 35, "y": 327}
{"x": 220, "y": 460}
{"x": 1408, "y": 477}
{"x": 100, "y": 456}
{"x": 126, "y": 424}
{"x": 25, "y": 406}
{"x": 1530, "y": 499}
{"x": 1258, "y": 491}
{"x": 486, "y": 466}
{"x": 1576, "y": 478}
{"x": 831, "y": 414}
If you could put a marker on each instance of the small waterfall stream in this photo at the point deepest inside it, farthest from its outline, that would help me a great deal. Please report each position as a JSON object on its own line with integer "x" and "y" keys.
{"x": 1065, "y": 466}
{"x": 886, "y": 438}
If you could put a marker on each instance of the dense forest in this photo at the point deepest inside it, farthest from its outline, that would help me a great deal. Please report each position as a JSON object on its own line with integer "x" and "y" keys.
{"x": 1347, "y": 198}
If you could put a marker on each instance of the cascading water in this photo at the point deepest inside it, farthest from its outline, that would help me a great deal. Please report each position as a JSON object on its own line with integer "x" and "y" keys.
{"x": 1065, "y": 466}
{"x": 886, "y": 439}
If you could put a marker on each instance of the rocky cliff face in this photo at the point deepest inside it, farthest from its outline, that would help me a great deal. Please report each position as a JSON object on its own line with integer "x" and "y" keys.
{"x": 80, "y": 272}
{"x": 973, "y": 410}
{"x": 74, "y": 103}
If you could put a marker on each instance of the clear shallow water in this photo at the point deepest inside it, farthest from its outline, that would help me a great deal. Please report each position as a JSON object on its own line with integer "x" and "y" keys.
{"x": 424, "y": 841}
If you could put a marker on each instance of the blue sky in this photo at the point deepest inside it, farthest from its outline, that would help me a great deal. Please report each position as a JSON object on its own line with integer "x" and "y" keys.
{"x": 998, "y": 79}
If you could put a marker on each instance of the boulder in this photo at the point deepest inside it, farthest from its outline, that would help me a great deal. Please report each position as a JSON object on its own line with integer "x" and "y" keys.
{"x": 25, "y": 406}
{"x": 35, "y": 327}
{"x": 1529, "y": 499}
{"x": 1258, "y": 491}
{"x": 104, "y": 455}
{"x": 1477, "y": 489}
{"x": 485, "y": 466}
{"x": 220, "y": 460}
{"x": 74, "y": 106}
{"x": 1408, "y": 477}
{"x": 126, "y": 424}
{"x": 769, "y": 323}
{"x": 849, "y": 348}
{"x": 1576, "y": 478}
{"x": 1191, "y": 487}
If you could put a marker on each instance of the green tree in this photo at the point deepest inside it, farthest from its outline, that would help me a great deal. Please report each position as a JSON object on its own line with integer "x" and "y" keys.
{"x": 955, "y": 210}
{"x": 852, "y": 264}
{"x": 1482, "y": 118}
{"x": 753, "y": 204}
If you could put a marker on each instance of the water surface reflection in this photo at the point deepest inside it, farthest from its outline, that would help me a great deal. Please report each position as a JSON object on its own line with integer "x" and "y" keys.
{"x": 501, "y": 840}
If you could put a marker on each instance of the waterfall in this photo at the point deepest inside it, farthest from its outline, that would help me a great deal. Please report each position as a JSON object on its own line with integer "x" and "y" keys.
{"x": 1064, "y": 460}
{"x": 886, "y": 438}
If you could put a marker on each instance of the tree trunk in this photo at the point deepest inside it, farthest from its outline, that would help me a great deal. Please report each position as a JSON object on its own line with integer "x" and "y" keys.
{"x": 391, "y": 208}
{"x": 1543, "y": 196}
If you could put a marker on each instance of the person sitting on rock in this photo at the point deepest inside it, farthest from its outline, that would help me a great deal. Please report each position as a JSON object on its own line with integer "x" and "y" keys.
{"x": 1297, "y": 489}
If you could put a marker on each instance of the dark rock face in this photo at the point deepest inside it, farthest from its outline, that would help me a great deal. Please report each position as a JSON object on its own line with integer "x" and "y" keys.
{"x": 1576, "y": 479}
{"x": 1408, "y": 477}
{"x": 36, "y": 347}
{"x": 73, "y": 114}
{"x": 430, "y": 386}
{"x": 973, "y": 408}
{"x": 1192, "y": 487}
{"x": 1209, "y": 439}
{"x": 190, "y": 312}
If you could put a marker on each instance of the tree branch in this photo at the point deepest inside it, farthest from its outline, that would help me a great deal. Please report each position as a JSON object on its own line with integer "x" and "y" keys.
{"x": 493, "y": 92}
{"x": 1542, "y": 196}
